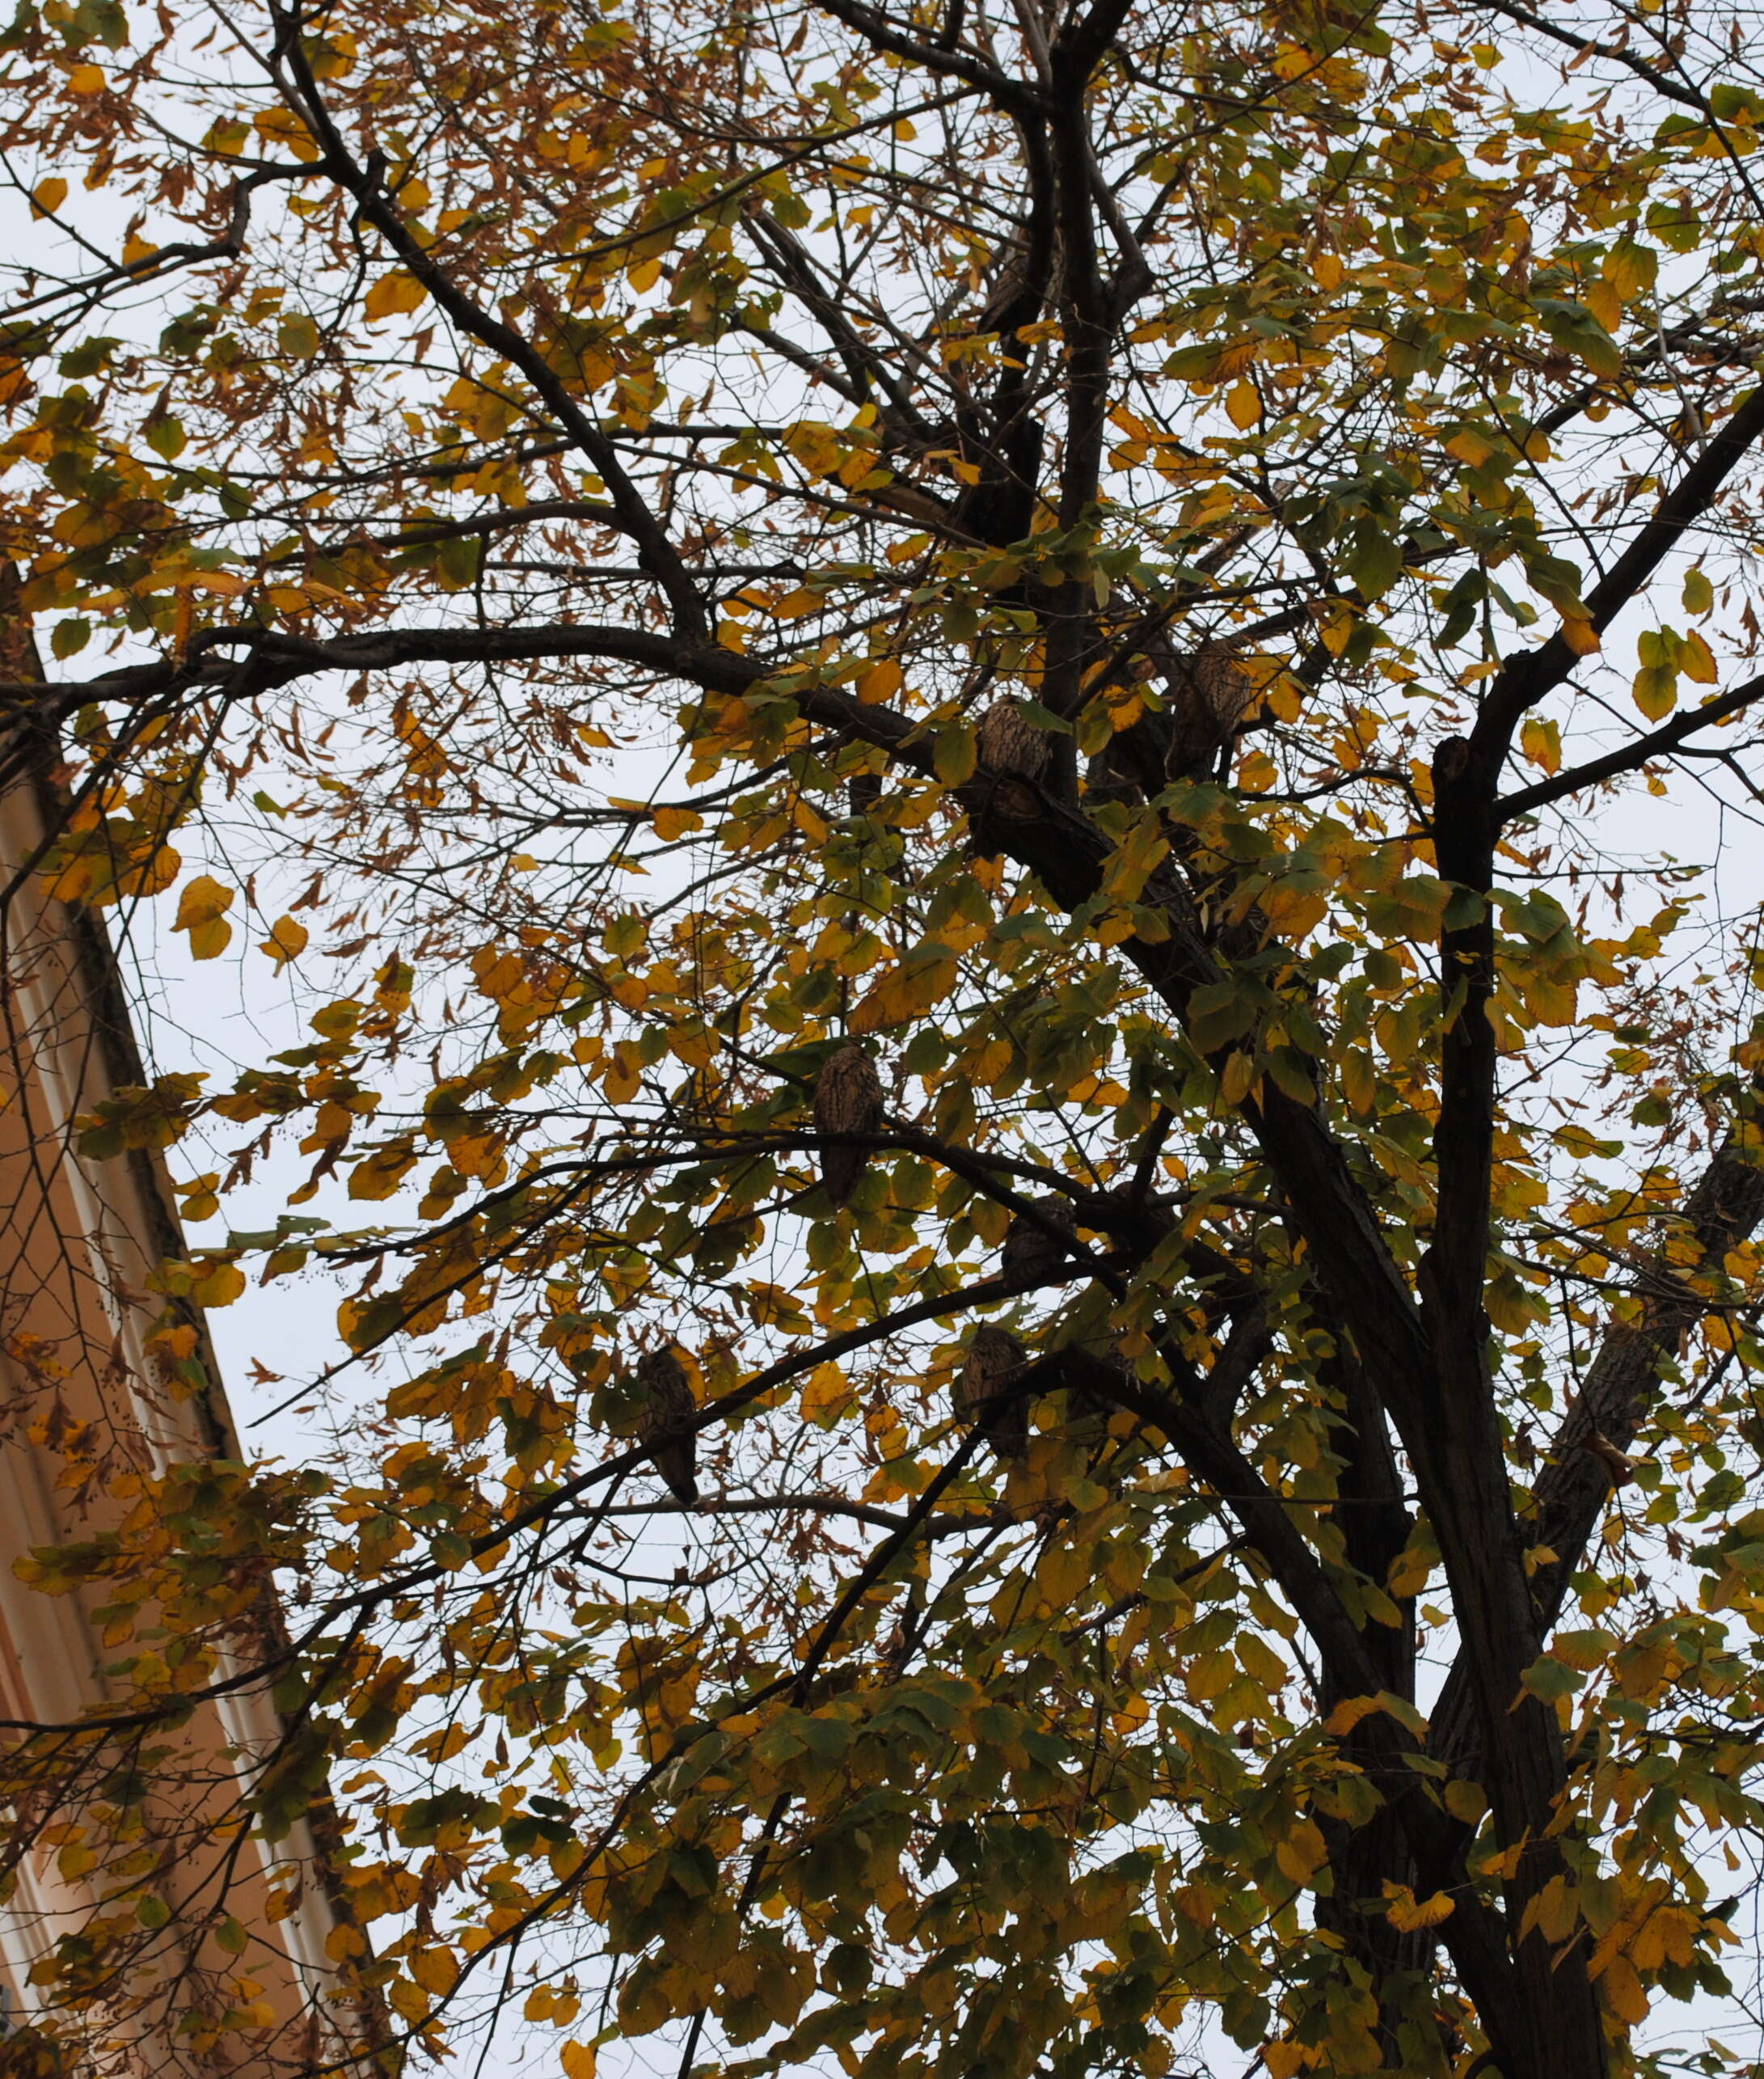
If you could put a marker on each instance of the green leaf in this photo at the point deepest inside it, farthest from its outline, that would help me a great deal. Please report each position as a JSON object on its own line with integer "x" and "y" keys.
{"x": 1550, "y": 1681}
{"x": 1221, "y": 1012}
{"x": 1575, "y": 329}
{"x": 166, "y": 437}
{"x": 298, "y": 335}
{"x": 954, "y": 754}
{"x": 1376, "y": 563}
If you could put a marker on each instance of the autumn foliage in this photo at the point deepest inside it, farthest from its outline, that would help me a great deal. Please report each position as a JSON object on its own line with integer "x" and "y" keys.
{"x": 960, "y": 759}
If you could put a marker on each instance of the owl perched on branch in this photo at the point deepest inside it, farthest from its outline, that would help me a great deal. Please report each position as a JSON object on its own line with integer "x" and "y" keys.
{"x": 1031, "y": 1250}
{"x": 1213, "y": 693}
{"x": 668, "y": 1407}
{"x": 984, "y": 1394}
{"x": 1006, "y": 741}
{"x": 1208, "y": 694}
{"x": 848, "y": 1099}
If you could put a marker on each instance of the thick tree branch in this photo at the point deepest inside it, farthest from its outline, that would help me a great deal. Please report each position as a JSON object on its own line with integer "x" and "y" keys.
{"x": 1078, "y": 50}
{"x": 1524, "y": 681}
{"x": 1586, "y": 47}
{"x": 1013, "y": 95}
{"x": 1620, "y": 1390}
{"x": 1631, "y": 756}
{"x": 1472, "y": 1934}
{"x": 634, "y": 516}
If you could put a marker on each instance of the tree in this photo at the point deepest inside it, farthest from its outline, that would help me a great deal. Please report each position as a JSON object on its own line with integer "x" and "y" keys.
{"x": 1108, "y": 572}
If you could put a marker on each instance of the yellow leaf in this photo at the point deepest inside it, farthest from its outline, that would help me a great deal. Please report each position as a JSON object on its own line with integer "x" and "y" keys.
{"x": 1512, "y": 1306}
{"x": 1348, "y": 1712}
{"x": 1582, "y": 1650}
{"x": 1294, "y": 907}
{"x": 201, "y": 911}
{"x": 1301, "y": 1852}
{"x": 380, "y": 1176}
{"x": 405, "y": 2000}
{"x": 1655, "y": 691}
{"x": 578, "y": 2060}
{"x": 48, "y": 196}
{"x": 808, "y": 821}
{"x": 1630, "y": 268}
{"x": 221, "y": 1287}
{"x": 643, "y": 274}
{"x": 623, "y": 1077}
{"x": 287, "y": 941}
{"x": 1063, "y": 1573}
{"x": 1696, "y": 660}
{"x": 775, "y": 1306}
{"x": 1553, "y": 1912}
{"x": 1579, "y": 635}
{"x": 1406, "y": 1912}
{"x": 1605, "y": 302}
{"x": 1283, "y": 2059}
{"x": 1326, "y": 271}
{"x": 392, "y": 293}
{"x": 1357, "y": 1083}
{"x": 85, "y": 80}
{"x": 881, "y": 682}
{"x": 906, "y": 990}
{"x": 1624, "y": 1993}
{"x": 1465, "y": 1800}
{"x": 1336, "y": 624}
{"x": 203, "y": 897}
{"x": 826, "y": 1396}
{"x": 1410, "y": 1568}
{"x": 1541, "y": 743}
{"x": 1242, "y": 406}
{"x": 1668, "y": 1935}
{"x": 1240, "y": 1078}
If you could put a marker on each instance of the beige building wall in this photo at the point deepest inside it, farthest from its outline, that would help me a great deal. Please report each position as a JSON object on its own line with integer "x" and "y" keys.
{"x": 78, "y": 1241}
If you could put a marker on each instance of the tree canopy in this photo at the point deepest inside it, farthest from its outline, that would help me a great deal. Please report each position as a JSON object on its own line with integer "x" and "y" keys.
{"x": 960, "y": 757}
